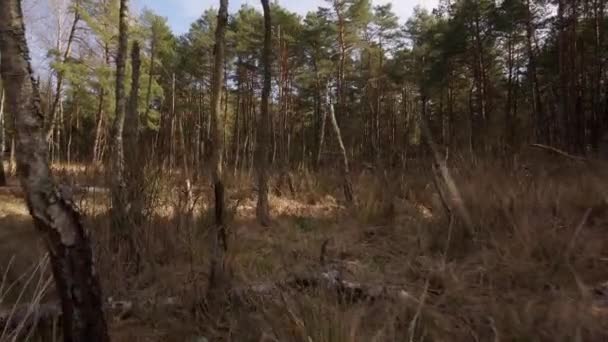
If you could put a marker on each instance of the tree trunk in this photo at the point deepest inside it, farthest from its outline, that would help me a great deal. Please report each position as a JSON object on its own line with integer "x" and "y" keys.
{"x": 2, "y": 147}
{"x": 539, "y": 122}
{"x": 218, "y": 276}
{"x": 263, "y": 212}
{"x": 133, "y": 159}
{"x": 509, "y": 113}
{"x": 347, "y": 184}
{"x": 320, "y": 119}
{"x": 342, "y": 54}
{"x": 55, "y": 217}
{"x": 151, "y": 72}
{"x": 99, "y": 127}
{"x": 119, "y": 197}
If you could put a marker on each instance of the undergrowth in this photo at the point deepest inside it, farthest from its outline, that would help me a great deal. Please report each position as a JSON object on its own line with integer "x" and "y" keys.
{"x": 527, "y": 269}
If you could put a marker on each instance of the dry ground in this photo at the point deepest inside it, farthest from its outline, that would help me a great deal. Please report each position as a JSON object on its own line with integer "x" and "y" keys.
{"x": 530, "y": 267}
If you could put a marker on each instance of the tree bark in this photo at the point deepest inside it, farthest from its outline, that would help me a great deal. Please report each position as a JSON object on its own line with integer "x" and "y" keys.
{"x": 321, "y": 116}
{"x": 218, "y": 276}
{"x": 347, "y": 184}
{"x": 133, "y": 160}
{"x": 118, "y": 188}
{"x": 55, "y": 216}
{"x": 151, "y": 71}
{"x": 2, "y": 147}
{"x": 263, "y": 212}
{"x": 97, "y": 154}
{"x": 539, "y": 122}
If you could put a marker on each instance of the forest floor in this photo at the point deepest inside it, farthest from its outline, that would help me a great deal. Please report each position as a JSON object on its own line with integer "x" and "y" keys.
{"x": 530, "y": 266}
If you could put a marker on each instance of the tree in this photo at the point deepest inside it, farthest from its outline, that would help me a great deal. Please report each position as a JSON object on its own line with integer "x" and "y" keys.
{"x": 316, "y": 36}
{"x": 2, "y": 174}
{"x": 346, "y": 182}
{"x": 133, "y": 160}
{"x": 218, "y": 277}
{"x": 119, "y": 192}
{"x": 263, "y": 213}
{"x": 161, "y": 50}
{"x": 55, "y": 216}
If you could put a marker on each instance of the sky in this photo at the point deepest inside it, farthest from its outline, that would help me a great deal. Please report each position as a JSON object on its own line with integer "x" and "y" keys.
{"x": 181, "y": 13}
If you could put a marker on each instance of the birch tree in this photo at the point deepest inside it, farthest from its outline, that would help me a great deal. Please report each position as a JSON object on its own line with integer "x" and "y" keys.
{"x": 55, "y": 216}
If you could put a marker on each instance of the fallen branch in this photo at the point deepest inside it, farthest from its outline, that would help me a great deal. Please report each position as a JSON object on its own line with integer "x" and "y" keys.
{"x": 332, "y": 280}
{"x": 451, "y": 197}
{"x": 560, "y": 152}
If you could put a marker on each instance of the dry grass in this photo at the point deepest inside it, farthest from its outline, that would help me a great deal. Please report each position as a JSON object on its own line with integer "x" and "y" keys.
{"x": 526, "y": 271}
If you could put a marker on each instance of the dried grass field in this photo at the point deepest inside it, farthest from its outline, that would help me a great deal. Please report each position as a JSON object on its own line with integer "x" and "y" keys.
{"x": 530, "y": 266}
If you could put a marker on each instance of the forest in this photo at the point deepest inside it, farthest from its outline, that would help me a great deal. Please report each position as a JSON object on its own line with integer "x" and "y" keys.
{"x": 340, "y": 176}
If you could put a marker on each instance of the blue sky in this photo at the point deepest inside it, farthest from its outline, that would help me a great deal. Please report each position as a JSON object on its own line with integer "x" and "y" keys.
{"x": 181, "y": 13}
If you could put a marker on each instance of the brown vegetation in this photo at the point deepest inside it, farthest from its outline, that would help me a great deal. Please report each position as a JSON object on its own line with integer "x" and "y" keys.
{"x": 529, "y": 271}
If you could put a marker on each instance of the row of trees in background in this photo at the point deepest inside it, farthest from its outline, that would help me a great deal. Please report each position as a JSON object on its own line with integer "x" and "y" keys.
{"x": 487, "y": 75}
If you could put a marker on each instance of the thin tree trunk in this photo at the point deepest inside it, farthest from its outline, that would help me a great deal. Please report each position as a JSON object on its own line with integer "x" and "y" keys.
{"x": 321, "y": 138}
{"x": 342, "y": 55}
{"x": 509, "y": 139}
{"x": 71, "y": 131}
{"x": 236, "y": 132}
{"x": 263, "y": 211}
{"x": 347, "y": 185}
{"x": 2, "y": 147}
{"x": 119, "y": 197}
{"x": 11, "y": 161}
{"x": 150, "y": 72}
{"x": 539, "y": 123}
{"x": 58, "y": 87}
{"x": 55, "y": 217}
{"x": 319, "y": 118}
{"x": 99, "y": 128}
{"x": 218, "y": 276}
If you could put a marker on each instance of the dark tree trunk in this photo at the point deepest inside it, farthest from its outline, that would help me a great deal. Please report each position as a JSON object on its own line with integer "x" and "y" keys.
{"x": 133, "y": 159}
{"x": 539, "y": 122}
{"x": 55, "y": 216}
{"x": 219, "y": 280}
{"x": 263, "y": 211}
{"x": 2, "y": 147}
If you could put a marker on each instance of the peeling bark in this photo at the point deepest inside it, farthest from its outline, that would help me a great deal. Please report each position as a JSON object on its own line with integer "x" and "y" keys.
{"x": 55, "y": 216}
